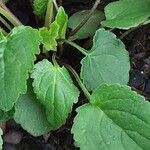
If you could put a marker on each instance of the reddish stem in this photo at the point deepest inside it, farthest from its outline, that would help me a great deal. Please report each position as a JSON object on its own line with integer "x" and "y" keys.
{"x": 10, "y": 13}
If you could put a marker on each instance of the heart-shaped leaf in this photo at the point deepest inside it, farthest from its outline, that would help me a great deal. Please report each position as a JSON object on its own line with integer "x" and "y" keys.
{"x": 55, "y": 90}
{"x": 115, "y": 118}
{"x": 107, "y": 62}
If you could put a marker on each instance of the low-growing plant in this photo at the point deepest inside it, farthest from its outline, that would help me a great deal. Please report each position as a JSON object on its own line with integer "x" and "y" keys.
{"x": 40, "y": 94}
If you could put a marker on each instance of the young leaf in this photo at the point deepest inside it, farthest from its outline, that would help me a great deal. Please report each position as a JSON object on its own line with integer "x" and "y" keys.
{"x": 90, "y": 26}
{"x": 107, "y": 62}
{"x": 31, "y": 114}
{"x": 55, "y": 90}
{"x": 62, "y": 21}
{"x": 17, "y": 55}
{"x": 40, "y": 7}
{"x": 57, "y": 31}
{"x": 5, "y": 116}
{"x": 1, "y": 141}
{"x": 116, "y": 118}
{"x": 49, "y": 37}
{"x": 125, "y": 14}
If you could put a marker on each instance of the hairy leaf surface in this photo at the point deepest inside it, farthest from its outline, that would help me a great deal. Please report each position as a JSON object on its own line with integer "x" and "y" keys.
{"x": 125, "y": 14}
{"x": 107, "y": 61}
{"x": 115, "y": 118}
{"x": 55, "y": 90}
{"x": 49, "y": 36}
{"x": 17, "y": 55}
{"x": 40, "y": 7}
{"x": 30, "y": 114}
{"x": 62, "y": 21}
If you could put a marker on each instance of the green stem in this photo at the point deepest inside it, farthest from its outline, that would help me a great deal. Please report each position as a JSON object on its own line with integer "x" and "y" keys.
{"x": 10, "y": 17}
{"x": 5, "y": 23}
{"x": 81, "y": 49}
{"x": 54, "y": 59}
{"x": 82, "y": 23}
{"x": 49, "y": 14}
{"x": 55, "y": 4}
{"x": 84, "y": 89}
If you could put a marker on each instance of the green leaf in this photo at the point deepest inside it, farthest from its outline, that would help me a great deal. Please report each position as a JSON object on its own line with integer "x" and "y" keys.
{"x": 5, "y": 1}
{"x": 125, "y": 14}
{"x": 49, "y": 37}
{"x": 17, "y": 55}
{"x": 40, "y": 7}
{"x": 62, "y": 21}
{"x": 31, "y": 114}
{"x": 55, "y": 90}
{"x": 1, "y": 141}
{"x": 116, "y": 118}
{"x": 2, "y": 37}
{"x": 107, "y": 62}
{"x": 57, "y": 31}
{"x": 5, "y": 116}
{"x": 90, "y": 26}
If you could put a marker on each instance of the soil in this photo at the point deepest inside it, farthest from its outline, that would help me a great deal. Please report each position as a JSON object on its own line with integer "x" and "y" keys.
{"x": 138, "y": 45}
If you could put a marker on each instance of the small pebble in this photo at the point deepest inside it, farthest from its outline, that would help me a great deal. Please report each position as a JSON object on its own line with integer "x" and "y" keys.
{"x": 13, "y": 137}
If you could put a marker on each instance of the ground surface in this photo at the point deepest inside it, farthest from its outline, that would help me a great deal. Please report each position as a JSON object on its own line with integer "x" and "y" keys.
{"x": 138, "y": 44}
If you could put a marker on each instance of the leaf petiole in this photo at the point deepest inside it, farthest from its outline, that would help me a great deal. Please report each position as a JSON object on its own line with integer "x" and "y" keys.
{"x": 5, "y": 23}
{"x": 10, "y": 17}
{"x": 81, "y": 49}
{"x": 55, "y": 4}
{"x": 84, "y": 89}
{"x": 54, "y": 60}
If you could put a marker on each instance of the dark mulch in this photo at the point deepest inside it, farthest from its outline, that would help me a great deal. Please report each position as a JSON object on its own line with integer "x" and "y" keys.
{"x": 138, "y": 44}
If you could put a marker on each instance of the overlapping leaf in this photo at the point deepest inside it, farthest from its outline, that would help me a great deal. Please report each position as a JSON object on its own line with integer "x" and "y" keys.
{"x": 40, "y": 7}
{"x": 107, "y": 62}
{"x": 17, "y": 55}
{"x": 90, "y": 26}
{"x": 55, "y": 90}
{"x": 49, "y": 37}
{"x": 31, "y": 114}
{"x": 5, "y": 116}
{"x": 125, "y": 14}
{"x": 57, "y": 31}
{"x": 1, "y": 141}
{"x": 115, "y": 118}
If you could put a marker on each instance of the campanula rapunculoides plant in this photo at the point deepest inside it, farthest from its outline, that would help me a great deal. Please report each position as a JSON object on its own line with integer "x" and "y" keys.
{"x": 39, "y": 94}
